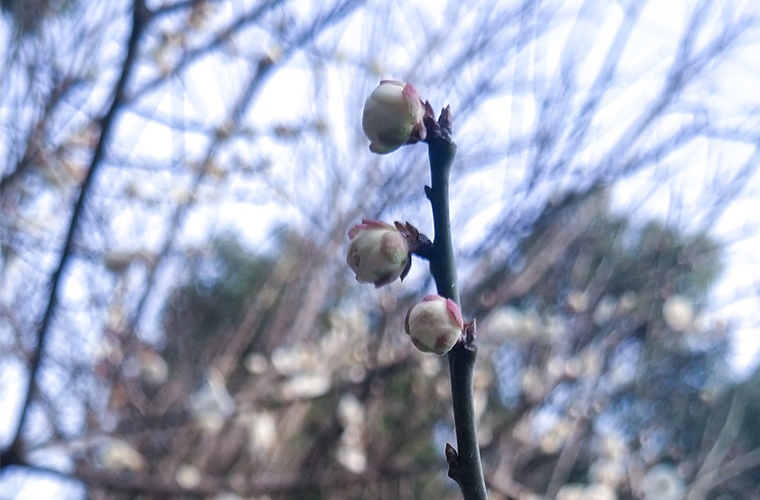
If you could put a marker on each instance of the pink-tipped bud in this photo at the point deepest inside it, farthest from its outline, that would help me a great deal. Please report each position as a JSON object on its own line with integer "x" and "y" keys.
{"x": 378, "y": 253}
{"x": 434, "y": 325}
{"x": 393, "y": 116}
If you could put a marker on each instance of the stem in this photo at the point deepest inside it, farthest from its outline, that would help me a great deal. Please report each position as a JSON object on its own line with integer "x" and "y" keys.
{"x": 464, "y": 465}
{"x": 442, "y": 265}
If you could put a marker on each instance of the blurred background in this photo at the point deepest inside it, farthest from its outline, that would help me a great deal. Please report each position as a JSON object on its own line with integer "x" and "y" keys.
{"x": 177, "y": 182}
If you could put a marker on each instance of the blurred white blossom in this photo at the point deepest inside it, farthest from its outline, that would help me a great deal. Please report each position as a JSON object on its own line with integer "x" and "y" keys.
{"x": 554, "y": 327}
{"x": 627, "y": 303}
{"x": 532, "y": 325}
{"x": 430, "y": 366}
{"x": 180, "y": 195}
{"x": 662, "y": 482}
{"x": 523, "y": 432}
{"x": 555, "y": 366}
{"x": 592, "y": 361}
{"x": 599, "y": 492}
{"x": 505, "y": 322}
{"x": 526, "y": 495}
{"x": 480, "y": 403}
{"x": 108, "y": 349}
{"x": 227, "y": 496}
{"x": 350, "y": 411}
{"x": 187, "y": 476}
{"x": 348, "y": 323}
{"x": 613, "y": 446}
{"x": 153, "y": 367}
{"x": 117, "y": 455}
{"x": 510, "y": 323}
{"x": 605, "y": 310}
{"x": 352, "y": 458}
{"x": 306, "y": 385}
{"x": 533, "y": 384}
{"x": 608, "y": 472}
{"x": 572, "y": 367}
{"x": 590, "y": 492}
{"x": 351, "y": 453}
{"x": 578, "y": 301}
{"x": 256, "y": 363}
{"x": 212, "y": 405}
{"x": 553, "y": 439}
{"x": 622, "y": 372}
{"x": 115, "y": 318}
{"x": 571, "y": 492}
{"x": 290, "y": 360}
{"x": 262, "y": 430}
{"x": 678, "y": 312}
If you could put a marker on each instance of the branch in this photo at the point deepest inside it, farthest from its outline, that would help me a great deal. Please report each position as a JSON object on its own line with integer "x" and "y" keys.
{"x": 35, "y": 136}
{"x": 257, "y": 79}
{"x": 141, "y": 483}
{"x": 708, "y": 472}
{"x": 140, "y": 18}
{"x": 464, "y": 464}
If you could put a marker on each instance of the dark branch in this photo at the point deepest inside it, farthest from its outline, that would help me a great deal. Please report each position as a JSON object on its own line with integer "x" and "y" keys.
{"x": 140, "y": 18}
{"x": 150, "y": 484}
{"x": 464, "y": 464}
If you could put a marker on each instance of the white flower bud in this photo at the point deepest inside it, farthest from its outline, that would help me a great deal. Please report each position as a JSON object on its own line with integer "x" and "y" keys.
{"x": 378, "y": 253}
{"x": 392, "y": 116}
{"x": 434, "y": 325}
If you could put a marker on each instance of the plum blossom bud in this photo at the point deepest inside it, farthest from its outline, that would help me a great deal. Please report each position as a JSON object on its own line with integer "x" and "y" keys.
{"x": 434, "y": 325}
{"x": 393, "y": 116}
{"x": 378, "y": 253}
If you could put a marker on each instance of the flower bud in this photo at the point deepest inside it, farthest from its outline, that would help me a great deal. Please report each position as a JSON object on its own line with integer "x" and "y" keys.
{"x": 378, "y": 253}
{"x": 393, "y": 116}
{"x": 434, "y": 325}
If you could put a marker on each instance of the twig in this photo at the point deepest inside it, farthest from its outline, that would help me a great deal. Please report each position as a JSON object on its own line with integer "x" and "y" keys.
{"x": 141, "y": 16}
{"x": 708, "y": 472}
{"x": 464, "y": 463}
{"x": 155, "y": 486}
